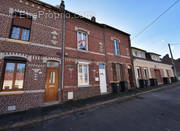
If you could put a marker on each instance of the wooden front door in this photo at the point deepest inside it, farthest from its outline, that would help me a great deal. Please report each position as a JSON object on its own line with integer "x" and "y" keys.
{"x": 51, "y": 91}
{"x": 130, "y": 77}
{"x": 158, "y": 75}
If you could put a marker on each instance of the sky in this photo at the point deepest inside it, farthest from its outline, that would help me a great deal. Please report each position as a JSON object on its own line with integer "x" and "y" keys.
{"x": 132, "y": 16}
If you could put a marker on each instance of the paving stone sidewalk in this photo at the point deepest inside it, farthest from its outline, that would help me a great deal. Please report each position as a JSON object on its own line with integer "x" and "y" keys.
{"x": 31, "y": 114}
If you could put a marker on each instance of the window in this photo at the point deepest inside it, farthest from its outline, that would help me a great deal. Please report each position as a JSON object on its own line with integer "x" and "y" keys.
{"x": 127, "y": 51}
{"x": 83, "y": 74}
{"x": 138, "y": 73}
{"x": 82, "y": 38}
{"x": 21, "y": 26}
{"x": 116, "y": 47}
{"x": 117, "y": 72}
{"x": 134, "y": 53}
{"x": 146, "y": 74}
{"x": 13, "y": 76}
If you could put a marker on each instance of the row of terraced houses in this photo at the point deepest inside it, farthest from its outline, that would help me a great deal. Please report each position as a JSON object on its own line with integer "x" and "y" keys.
{"x": 49, "y": 55}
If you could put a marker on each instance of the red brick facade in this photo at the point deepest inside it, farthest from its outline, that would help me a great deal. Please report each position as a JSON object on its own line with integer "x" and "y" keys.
{"x": 45, "y": 45}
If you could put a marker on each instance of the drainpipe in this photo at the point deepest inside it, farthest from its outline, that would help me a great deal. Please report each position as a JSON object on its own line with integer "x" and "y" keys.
{"x": 106, "y": 57}
{"x": 63, "y": 50}
{"x": 132, "y": 61}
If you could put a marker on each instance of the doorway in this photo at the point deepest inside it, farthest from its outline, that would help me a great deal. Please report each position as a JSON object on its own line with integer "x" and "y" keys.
{"x": 158, "y": 75}
{"x": 51, "y": 87}
{"x": 102, "y": 76}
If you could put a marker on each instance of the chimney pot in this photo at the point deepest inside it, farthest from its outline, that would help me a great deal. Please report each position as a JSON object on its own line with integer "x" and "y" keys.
{"x": 62, "y": 5}
{"x": 93, "y": 19}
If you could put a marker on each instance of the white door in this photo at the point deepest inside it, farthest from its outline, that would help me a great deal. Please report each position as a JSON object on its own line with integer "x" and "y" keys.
{"x": 102, "y": 77}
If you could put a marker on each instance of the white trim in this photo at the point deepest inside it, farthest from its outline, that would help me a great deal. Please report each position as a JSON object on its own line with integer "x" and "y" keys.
{"x": 85, "y": 51}
{"x": 82, "y": 29}
{"x": 83, "y": 62}
{"x": 34, "y": 91}
{"x": 119, "y": 55}
{"x": 46, "y": 46}
{"x": 21, "y": 92}
{"x": 114, "y": 38}
{"x": 11, "y": 92}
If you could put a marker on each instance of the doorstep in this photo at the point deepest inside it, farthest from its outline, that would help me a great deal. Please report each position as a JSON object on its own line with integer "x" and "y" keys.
{"x": 50, "y": 103}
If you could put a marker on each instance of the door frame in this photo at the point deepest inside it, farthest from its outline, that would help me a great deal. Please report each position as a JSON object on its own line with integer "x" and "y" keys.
{"x": 57, "y": 83}
{"x": 104, "y": 77}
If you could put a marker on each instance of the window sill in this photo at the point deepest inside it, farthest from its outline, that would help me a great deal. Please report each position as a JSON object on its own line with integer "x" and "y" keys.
{"x": 79, "y": 86}
{"x": 11, "y": 92}
{"x": 83, "y": 51}
{"x": 18, "y": 41}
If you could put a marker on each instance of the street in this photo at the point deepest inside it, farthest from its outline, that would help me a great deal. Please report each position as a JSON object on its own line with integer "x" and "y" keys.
{"x": 158, "y": 111}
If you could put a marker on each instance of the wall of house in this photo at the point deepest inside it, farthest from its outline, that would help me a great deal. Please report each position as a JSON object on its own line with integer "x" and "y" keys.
{"x": 151, "y": 65}
{"x": 44, "y": 45}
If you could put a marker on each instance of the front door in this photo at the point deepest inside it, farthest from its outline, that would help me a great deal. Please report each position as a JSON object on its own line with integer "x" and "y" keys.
{"x": 158, "y": 75}
{"x": 130, "y": 77}
{"x": 51, "y": 91}
{"x": 102, "y": 77}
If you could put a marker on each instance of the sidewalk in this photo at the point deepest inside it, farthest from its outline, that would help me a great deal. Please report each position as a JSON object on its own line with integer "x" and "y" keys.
{"x": 31, "y": 116}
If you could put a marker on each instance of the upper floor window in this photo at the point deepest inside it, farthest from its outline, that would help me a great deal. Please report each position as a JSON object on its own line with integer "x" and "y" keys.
{"x": 116, "y": 47}
{"x": 21, "y": 26}
{"x": 13, "y": 78}
{"x": 82, "y": 40}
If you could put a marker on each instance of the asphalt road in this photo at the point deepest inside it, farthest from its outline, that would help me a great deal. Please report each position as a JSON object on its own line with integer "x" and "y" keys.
{"x": 159, "y": 111}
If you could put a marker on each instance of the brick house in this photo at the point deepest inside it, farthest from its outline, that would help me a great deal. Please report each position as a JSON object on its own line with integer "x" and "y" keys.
{"x": 31, "y": 40}
{"x": 148, "y": 65}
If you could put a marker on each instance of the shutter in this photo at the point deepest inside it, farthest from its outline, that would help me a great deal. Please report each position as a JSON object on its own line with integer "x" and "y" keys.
{"x": 114, "y": 72}
{"x": 22, "y": 22}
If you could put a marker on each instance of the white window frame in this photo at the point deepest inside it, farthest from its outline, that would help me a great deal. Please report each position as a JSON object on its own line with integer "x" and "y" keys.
{"x": 138, "y": 68}
{"x": 147, "y": 71}
{"x": 83, "y": 83}
{"x": 116, "y": 42}
{"x": 81, "y": 31}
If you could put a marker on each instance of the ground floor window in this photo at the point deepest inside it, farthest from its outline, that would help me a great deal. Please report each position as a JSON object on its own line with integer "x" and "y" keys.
{"x": 117, "y": 72}
{"x": 146, "y": 74}
{"x": 13, "y": 78}
{"x": 83, "y": 74}
{"x": 138, "y": 72}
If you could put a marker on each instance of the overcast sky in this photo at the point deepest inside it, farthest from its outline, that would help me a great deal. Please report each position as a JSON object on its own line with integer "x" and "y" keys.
{"x": 132, "y": 16}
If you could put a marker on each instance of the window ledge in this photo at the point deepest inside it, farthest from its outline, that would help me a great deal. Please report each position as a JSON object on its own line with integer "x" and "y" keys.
{"x": 18, "y": 41}
{"x": 11, "y": 92}
{"x": 84, "y": 51}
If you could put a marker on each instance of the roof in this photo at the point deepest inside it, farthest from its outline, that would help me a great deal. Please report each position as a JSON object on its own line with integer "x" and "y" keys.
{"x": 153, "y": 53}
{"x": 138, "y": 49}
{"x": 72, "y": 13}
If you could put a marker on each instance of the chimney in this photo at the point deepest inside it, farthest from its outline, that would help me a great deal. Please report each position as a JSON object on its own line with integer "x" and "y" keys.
{"x": 93, "y": 19}
{"x": 62, "y": 5}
